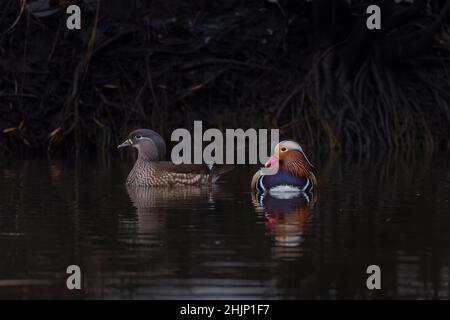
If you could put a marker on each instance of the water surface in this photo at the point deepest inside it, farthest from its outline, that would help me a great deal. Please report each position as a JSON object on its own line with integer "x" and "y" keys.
{"x": 222, "y": 242}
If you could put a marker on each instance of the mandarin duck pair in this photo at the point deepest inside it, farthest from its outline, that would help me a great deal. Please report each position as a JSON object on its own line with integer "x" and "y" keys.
{"x": 288, "y": 169}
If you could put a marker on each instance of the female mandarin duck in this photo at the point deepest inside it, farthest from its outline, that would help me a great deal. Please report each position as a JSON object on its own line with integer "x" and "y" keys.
{"x": 288, "y": 169}
{"x": 149, "y": 171}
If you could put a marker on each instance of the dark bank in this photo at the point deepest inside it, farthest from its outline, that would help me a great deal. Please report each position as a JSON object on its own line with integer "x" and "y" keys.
{"x": 310, "y": 68}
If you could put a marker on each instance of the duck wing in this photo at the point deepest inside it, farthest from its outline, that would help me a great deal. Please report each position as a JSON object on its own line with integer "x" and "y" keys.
{"x": 255, "y": 180}
{"x": 214, "y": 172}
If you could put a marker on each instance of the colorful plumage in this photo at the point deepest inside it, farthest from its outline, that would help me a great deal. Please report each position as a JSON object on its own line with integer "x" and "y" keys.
{"x": 149, "y": 171}
{"x": 288, "y": 169}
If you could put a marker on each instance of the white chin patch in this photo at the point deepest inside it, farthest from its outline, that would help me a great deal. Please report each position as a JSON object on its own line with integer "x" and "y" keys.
{"x": 285, "y": 192}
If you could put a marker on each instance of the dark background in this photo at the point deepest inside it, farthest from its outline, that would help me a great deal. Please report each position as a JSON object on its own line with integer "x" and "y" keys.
{"x": 312, "y": 69}
{"x": 375, "y": 102}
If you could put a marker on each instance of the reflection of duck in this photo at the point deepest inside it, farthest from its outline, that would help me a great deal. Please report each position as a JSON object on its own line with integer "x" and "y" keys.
{"x": 160, "y": 197}
{"x": 288, "y": 169}
{"x": 153, "y": 203}
{"x": 286, "y": 217}
{"x": 149, "y": 171}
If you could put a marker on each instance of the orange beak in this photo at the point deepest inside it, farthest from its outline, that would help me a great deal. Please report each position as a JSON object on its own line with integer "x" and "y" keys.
{"x": 271, "y": 161}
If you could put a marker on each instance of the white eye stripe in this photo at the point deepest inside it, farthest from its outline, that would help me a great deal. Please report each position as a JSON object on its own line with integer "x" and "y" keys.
{"x": 139, "y": 137}
{"x": 291, "y": 145}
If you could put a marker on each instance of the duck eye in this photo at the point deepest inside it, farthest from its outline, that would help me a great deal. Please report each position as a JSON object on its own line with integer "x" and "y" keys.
{"x": 284, "y": 149}
{"x": 138, "y": 137}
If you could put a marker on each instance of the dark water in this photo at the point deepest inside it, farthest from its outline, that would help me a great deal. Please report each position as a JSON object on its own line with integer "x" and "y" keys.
{"x": 216, "y": 243}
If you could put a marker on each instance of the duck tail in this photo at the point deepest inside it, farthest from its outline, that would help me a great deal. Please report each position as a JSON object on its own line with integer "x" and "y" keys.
{"x": 216, "y": 171}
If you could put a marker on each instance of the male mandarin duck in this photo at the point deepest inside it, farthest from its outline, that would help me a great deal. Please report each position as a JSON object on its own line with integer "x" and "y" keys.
{"x": 149, "y": 171}
{"x": 288, "y": 169}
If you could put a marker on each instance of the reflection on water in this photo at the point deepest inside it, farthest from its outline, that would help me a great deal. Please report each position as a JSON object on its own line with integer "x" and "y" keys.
{"x": 222, "y": 241}
{"x": 286, "y": 215}
{"x": 144, "y": 198}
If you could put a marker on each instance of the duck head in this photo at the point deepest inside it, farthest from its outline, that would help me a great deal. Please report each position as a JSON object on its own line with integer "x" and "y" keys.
{"x": 150, "y": 145}
{"x": 288, "y": 155}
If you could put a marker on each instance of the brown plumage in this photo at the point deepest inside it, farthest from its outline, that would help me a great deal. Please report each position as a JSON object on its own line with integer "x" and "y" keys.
{"x": 148, "y": 171}
{"x": 298, "y": 165}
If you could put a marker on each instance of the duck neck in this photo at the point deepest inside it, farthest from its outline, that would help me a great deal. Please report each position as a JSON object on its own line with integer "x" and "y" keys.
{"x": 145, "y": 155}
